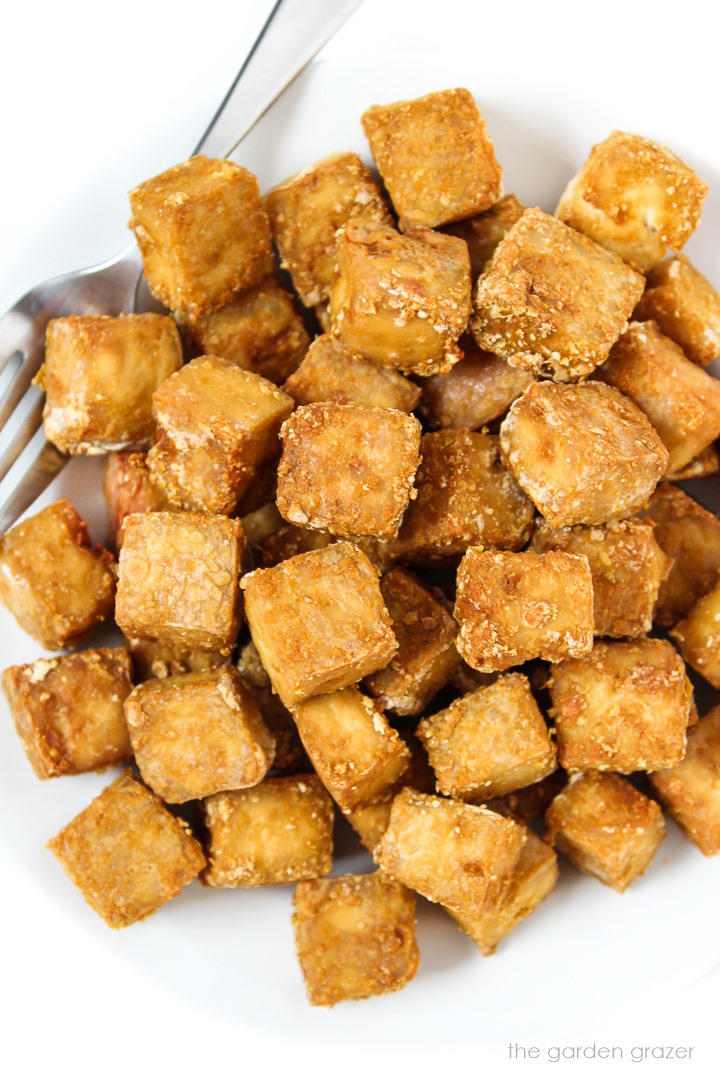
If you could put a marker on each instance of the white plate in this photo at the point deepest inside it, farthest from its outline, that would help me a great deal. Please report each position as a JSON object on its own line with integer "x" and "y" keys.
{"x": 231, "y": 952}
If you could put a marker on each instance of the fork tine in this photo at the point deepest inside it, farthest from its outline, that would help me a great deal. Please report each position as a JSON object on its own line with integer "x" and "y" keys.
{"x": 46, "y": 465}
{"x": 21, "y": 438}
{"x": 17, "y": 389}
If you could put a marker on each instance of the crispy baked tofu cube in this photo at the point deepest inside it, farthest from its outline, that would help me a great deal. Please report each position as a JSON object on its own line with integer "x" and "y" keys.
{"x": 202, "y": 232}
{"x": 156, "y": 660}
{"x": 489, "y": 742}
{"x": 289, "y": 750}
{"x": 355, "y": 936}
{"x": 514, "y": 606}
{"x": 435, "y": 157}
{"x": 178, "y": 580}
{"x": 530, "y": 803}
{"x": 635, "y": 197}
{"x": 216, "y": 424}
{"x": 552, "y": 301}
{"x": 681, "y": 401}
{"x": 690, "y": 537}
{"x": 532, "y": 881}
{"x": 483, "y": 232}
{"x": 690, "y": 791}
{"x": 330, "y": 373}
{"x": 426, "y": 658}
{"x": 698, "y": 637}
{"x": 307, "y": 210}
{"x": 606, "y": 828}
{"x": 454, "y": 854}
{"x": 371, "y": 821}
{"x": 260, "y": 331}
{"x": 627, "y": 567}
{"x": 707, "y": 463}
{"x": 402, "y": 301}
{"x": 354, "y": 751}
{"x": 126, "y": 853}
{"x": 584, "y": 454}
{"x": 318, "y": 621}
{"x": 55, "y": 583}
{"x": 685, "y": 306}
{"x": 476, "y": 391}
{"x": 274, "y": 833}
{"x": 348, "y": 469}
{"x": 129, "y": 489}
{"x": 99, "y": 376}
{"x": 68, "y": 711}
{"x": 194, "y": 735}
{"x": 465, "y": 496}
{"x": 288, "y": 541}
{"x": 624, "y": 707}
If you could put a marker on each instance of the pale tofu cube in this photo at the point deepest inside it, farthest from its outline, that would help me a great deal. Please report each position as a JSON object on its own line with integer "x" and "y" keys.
{"x": 129, "y": 489}
{"x": 698, "y": 637}
{"x": 159, "y": 660}
{"x": 402, "y": 301}
{"x": 635, "y": 197}
{"x": 435, "y": 157}
{"x": 552, "y": 301}
{"x": 483, "y": 232}
{"x": 514, "y": 606}
{"x": 690, "y": 791}
{"x": 584, "y": 454}
{"x": 685, "y": 306}
{"x": 202, "y": 233}
{"x": 625, "y": 707}
{"x": 480, "y": 388}
{"x": 260, "y": 524}
{"x": 707, "y": 463}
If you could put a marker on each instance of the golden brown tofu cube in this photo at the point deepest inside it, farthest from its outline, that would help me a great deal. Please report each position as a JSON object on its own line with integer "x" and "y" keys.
{"x": 489, "y": 742}
{"x": 606, "y": 828}
{"x": 99, "y": 376}
{"x": 307, "y": 210}
{"x": 698, "y": 637}
{"x": 690, "y": 791}
{"x": 262, "y": 523}
{"x": 260, "y": 331}
{"x": 216, "y": 423}
{"x": 55, "y": 583}
{"x": 202, "y": 232}
{"x": 318, "y": 621}
{"x": 426, "y": 658}
{"x": 627, "y": 567}
{"x": 476, "y": 391}
{"x": 455, "y": 854}
{"x": 289, "y": 750}
{"x": 371, "y": 821}
{"x": 465, "y": 496}
{"x": 129, "y": 489}
{"x": 68, "y": 711}
{"x": 402, "y": 301}
{"x": 354, "y": 751}
{"x": 126, "y": 853}
{"x": 552, "y": 301}
{"x": 514, "y": 606}
{"x": 274, "y": 833}
{"x": 435, "y": 157}
{"x": 690, "y": 537}
{"x": 685, "y": 306}
{"x": 584, "y": 454}
{"x": 156, "y": 660}
{"x": 355, "y": 936}
{"x": 707, "y": 463}
{"x": 681, "y": 401}
{"x": 635, "y": 197}
{"x": 178, "y": 580}
{"x": 288, "y": 541}
{"x": 329, "y": 373}
{"x": 348, "y": 469}
{"x": 624, "y": 707}
{"x": 194, "y": 735}
{"x": 532, "y": 881}
{"x": 483, "y": 232}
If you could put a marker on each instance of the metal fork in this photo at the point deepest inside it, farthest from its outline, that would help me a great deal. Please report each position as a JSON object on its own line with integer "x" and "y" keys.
{"x": 294, "y": 32}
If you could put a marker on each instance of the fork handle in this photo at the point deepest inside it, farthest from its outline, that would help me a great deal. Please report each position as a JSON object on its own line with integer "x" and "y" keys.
{"x": 294, "y": 33}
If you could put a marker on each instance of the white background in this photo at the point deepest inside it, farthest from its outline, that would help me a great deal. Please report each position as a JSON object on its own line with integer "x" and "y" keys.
{"x": 95, "y": 97}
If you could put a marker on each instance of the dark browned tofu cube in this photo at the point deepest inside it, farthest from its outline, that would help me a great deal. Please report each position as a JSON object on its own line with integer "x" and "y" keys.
{"x": 179, "y": 579}
{"x": 690, "y": 791}
{"x": 477, "y": 390}
{"x": 483, "y": 232}
{"x": 99, "y": 376}
{"x": 551, "y": 300}
{"x": 348, "y": 469}
{"x": 584, "y": 454}
{"x": 606, "y": 828}
{"x": 530, "y": 803}
{"x": 435, "y": 157}
{"x": 158, "y": 660}
{"x": 52, "y": 579}
{"x": 127, "y": 854}
{"x": 698, "y": 636}
{"x": 514, "y": 606}
{"x": 318, "y": 621}
{"x": 288, "y": 541}
{"x": 202, "y": 233}
{"x": 307, "y": 210}
{"x": 68, "y": 711}
{"x": 685, "y": 306}
{"x": 277, "y": 832}
{"x": 355, "y": 936}
{"x": 624, "y": 707}
{"x": 129, "y": 489}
